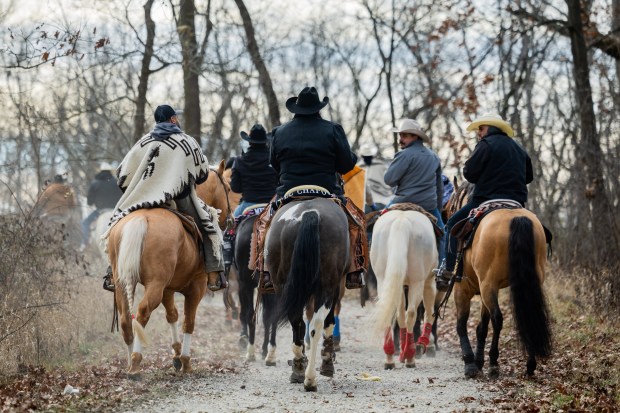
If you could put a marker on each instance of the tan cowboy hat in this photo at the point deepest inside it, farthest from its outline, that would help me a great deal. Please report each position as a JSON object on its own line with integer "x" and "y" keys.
{"x": 491, "y": 119}
{"x": 411, "y": 126}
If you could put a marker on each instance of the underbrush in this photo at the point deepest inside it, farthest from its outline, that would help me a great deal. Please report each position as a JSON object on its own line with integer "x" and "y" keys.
{"x": 51, "y": 303}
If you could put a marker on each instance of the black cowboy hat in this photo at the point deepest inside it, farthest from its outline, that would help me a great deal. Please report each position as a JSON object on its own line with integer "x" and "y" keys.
{"x": 307, "y": 102}
{"x": 258, "y": 134}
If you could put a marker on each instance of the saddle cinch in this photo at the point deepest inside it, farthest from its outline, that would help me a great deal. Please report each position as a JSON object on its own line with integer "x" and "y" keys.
{"x": 359, "y": 242}
{"x": 465, "y": 229}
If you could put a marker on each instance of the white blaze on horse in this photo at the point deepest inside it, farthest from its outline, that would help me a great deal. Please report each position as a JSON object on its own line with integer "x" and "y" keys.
{"x": 307, "y": 254}
{"x": 403, "y": 254}
{"x": 152, "y": 247}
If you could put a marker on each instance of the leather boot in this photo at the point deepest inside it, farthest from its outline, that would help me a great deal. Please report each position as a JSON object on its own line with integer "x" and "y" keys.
{"x": 108, "y": 283}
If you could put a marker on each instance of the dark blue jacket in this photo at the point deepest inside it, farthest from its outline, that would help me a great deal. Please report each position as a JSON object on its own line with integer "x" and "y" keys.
{"x": 309, "y": 150}
{"x": 500, "y": 168}
{"x": 253, "y": 177}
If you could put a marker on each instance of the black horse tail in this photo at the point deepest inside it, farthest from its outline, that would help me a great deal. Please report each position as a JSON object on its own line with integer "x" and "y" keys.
{"x": 303, "y": 281}
{"x": 528, "y": 300}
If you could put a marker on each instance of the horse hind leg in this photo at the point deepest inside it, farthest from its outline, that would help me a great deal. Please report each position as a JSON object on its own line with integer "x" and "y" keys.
{"x": 269, "y": 303}
{"x": 482, "y": 330}
{"x": 316, "y": 331}
{"x": 299, "y": 361}
{"x": 423, "y": 343}
{"x": 462, "y": 315}
{"x": 328, "y": 353}
{"x": 172, "y": 317}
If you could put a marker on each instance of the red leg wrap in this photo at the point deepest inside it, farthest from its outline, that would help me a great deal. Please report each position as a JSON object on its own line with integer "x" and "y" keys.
{"x": 410, "y": 348}
{"x": 388, "y": 343}
{"x": 403, "y": 344}
{"x": 424, "y": 339}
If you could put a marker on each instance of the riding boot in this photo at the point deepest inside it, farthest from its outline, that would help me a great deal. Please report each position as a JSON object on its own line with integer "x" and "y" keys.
{"x": 442, "y": 277}
{"x": 216, "y": 279}
{"x": 228, "y": 247}
{"x": 108, "y": 283}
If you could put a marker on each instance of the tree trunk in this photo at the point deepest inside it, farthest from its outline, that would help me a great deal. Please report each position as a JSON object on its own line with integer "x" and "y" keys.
{"x": 598, "y": 245}
{"x": 145, "y": 72}
{"x": 186, "y": 29}
{"x": 263, "y": 74}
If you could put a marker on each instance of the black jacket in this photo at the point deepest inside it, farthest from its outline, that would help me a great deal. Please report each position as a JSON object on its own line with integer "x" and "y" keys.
{"x": 500, "y": 168}
{"x": 252, "y": 175}
{"x": 104, "y": 192}
{"x": 309, "y": 150}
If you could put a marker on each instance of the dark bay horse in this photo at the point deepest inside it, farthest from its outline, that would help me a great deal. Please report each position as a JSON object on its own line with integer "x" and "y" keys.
{"x": 508, "y": 251}
{"x": 307, "y": 253}
{"x": 152, "y": 247}
{"x": 247, "y": 285}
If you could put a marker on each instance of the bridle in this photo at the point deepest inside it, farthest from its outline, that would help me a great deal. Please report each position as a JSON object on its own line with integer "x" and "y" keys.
{"x": 230, "y": 221}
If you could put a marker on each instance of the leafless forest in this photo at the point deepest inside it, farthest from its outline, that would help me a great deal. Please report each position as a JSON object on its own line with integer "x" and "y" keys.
{"x": 79, "y": 83}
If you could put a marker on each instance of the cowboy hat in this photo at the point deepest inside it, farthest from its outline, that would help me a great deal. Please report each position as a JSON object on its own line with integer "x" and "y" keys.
{"x": 411, "y": 126}
{"x": 307, "y": 102}
{"x": 368, "y": 150}
{"x": 258, "y": 134}
{"x": 491, "y": 119}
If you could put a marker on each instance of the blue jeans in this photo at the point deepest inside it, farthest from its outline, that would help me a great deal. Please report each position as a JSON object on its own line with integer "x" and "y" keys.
{"x": 242, "y": 206}
{"x": 459, "y": 215}
{"x": 86, "y": 224}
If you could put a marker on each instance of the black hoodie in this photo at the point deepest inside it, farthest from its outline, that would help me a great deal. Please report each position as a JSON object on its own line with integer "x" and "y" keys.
{"x": 103, "y": 192}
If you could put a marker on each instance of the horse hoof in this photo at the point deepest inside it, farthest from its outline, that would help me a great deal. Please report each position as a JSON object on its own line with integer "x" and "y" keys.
{"x": 420, "y": 350}
{"x": 337, "y": 346}
{"x": 310, "y": 388}
{"x": 493, "y": 372}
{"x": 410, "y": 364}
{"x": 389, "y": 366}
{"x": 243, "y": 342}
{"x": 297, "y": 378}
{"x": 133, "y": 375}
{"x": 327, "y": 368}
{"x": 270, "y": 363}
{"x": 430, "y": 352}
{"x": 471, "y": 370}
{"x": 176, "y": 362}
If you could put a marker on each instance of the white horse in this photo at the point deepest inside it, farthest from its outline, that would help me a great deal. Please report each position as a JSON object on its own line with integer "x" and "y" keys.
{"x": 403, "y": 253}
{"x": 101, "y": 226}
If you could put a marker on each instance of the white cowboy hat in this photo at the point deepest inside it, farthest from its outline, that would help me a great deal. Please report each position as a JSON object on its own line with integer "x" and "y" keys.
{"x": 411, "y": 126}
{"x": 491, "y": 119}
{"x": 368, "y": 150}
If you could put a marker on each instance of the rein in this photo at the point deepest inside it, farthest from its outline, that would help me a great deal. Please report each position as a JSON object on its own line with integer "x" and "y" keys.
{"x": 230, "y": 221}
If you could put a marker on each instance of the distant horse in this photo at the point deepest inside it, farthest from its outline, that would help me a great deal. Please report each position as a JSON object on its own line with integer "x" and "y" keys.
{"x": 403, "y": 253}
{"x": 152, "y": 247}
{"x": 307, "y": 253}
{"x": 57, "y": 207}
{"x": 508, "y": 250}
{"x": 247, "y": 285}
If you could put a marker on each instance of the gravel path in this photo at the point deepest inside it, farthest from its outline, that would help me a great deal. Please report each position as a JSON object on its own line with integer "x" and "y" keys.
{"x": 435, "y": 384}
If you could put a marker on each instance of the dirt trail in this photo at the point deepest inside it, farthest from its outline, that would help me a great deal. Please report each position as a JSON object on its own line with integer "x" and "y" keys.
{"x": 435, "y": 384}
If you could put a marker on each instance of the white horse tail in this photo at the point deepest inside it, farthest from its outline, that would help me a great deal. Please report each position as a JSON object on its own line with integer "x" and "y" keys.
{"x": 129, "y": 257}
{"x": 390, "y": 291}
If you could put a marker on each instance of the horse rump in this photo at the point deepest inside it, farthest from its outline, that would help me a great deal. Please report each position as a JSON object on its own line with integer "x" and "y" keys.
{"x": 529, "y": 305}
{"x": 303, "y": 280}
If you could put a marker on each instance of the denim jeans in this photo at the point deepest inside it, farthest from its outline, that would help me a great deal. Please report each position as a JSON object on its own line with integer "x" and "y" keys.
{"x": 459, "y": 215}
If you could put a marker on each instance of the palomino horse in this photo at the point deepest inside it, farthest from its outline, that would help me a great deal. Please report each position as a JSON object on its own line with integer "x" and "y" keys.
{"x": 403, "y": 254}
{"x": 152, "y": 247}
{"x": 57, "y": 207}
{"x": 247, "y": 285}
{"x": 508, "y": 250}
{"x": 307, "y": 253}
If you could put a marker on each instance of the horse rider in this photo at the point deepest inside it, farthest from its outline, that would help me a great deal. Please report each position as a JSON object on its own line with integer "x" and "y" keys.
{"x": 415, "y": 173}
{"x": 448, "y": 189}
{"x": 499, "y": 167}
{"x": 309, "y": 150}
{"x": 103, "y": 193}
{"x": 252, "y": 174}
{"x": 166, "y": 165}
{"x": 253, "y": 177}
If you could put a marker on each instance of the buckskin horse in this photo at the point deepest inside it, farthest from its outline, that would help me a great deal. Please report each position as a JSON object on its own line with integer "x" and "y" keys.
{"x": 307, "y": 253}
{"x": 152, "y": 247}
{"x": 403, "y": 253}
{"x": 508, "y": 251}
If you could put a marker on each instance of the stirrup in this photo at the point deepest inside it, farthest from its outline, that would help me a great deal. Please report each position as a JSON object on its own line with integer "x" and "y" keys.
{"x": 108, "y": 284}
{"x": 354, "y": 284}
{"x": 220, "y": 283}
{"x": 442, "y": 277}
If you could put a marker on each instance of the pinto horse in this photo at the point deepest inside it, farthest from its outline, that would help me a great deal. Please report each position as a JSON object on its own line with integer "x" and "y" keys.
{"x": 247, "y": 285}
{"x": 508, "y": 251}
{"x": 403, "y": 254}
{"x": 307, "y": 254}
{"x": 152, "y": 247}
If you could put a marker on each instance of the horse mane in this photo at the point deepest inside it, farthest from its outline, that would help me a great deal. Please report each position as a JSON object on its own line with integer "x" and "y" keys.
{"x": 461, "y": 195}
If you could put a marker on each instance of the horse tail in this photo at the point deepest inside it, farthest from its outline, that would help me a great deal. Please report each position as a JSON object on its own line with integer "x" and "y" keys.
{"x": 304, "y": 279}
{"x": 528, "y": 300}
{"x": 129, "y": 257}
{"x": 390, "y": 294}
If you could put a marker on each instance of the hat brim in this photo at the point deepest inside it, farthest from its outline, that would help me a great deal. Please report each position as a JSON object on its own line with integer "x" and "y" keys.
{"x": 500, "y": 124}
{"x": 249, "y": 139}
{"x": 291, "y": 105}
{"x": 416, "y": 132}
